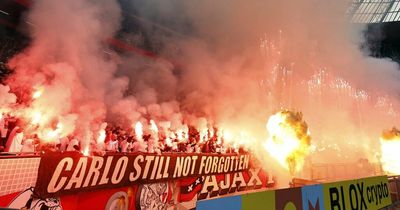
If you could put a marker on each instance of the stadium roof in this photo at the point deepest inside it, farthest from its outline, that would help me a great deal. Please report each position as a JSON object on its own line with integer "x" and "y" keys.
{"x": 375, "y": 11}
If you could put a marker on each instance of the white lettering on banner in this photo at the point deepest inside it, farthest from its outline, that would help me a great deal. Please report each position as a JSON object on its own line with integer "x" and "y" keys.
{"x": 194, "y": 160}
{"x": 212, "y": 188}
{"x": 94, "y": 171}
{"x": 137, "y": 168}
{"x": 254, "y": 181}
{"x": 148, "y": 159}
{"x": 52, "y": 187}
{"x": 78, "y": 175}
{"x": 166, "y": 174}
{"x": 104, "y": 179}
{"x": 120, "y": 169}
{"x": 238, "y": 178}
{"x": 87, "y": 172}
{"x": 368, "y": 193}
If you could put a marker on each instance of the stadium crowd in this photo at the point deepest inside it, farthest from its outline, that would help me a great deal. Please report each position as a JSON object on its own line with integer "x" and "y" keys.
{"x": 115, "y": 139}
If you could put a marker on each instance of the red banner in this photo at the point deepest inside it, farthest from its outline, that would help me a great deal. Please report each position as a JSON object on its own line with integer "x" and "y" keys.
{"x": 63, "y": 173}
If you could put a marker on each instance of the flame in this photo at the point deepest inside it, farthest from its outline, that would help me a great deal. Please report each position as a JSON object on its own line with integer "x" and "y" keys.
{"x": 182, "y": 134}
{"x": 153, "y": 126}
{"x": 102, "y": 136}
{"x": 228, "y": 137}
{"x": 37, "y": 94}
{"x": 390, "y": 147}
{"x": 139, "y": 131}
{"x": 203, "y": 135}
{"x": 36, "y": 117}
{"x": 289, "y": 140}
{"x": 85, "y": 151}
{"x": 50, "y": 135}
{"x": 168, "y": 141}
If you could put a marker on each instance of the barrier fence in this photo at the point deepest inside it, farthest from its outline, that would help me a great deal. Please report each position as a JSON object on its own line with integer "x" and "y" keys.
{"x": 366, "y": 193}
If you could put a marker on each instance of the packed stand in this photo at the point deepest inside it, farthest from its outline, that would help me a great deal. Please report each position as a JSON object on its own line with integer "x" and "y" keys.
{"x": 113, "y": 139}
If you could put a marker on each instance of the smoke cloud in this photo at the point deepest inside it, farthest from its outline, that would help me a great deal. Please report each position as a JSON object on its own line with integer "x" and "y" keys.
{"x": 241, "y": 61}
{"x": 228, "y": 63}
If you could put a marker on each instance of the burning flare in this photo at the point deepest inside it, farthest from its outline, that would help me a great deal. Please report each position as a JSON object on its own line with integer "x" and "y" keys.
{"x": 289, "y": 139}
{"x": 37, "y": 93}
{"x": 139, "y": 131}
{"x": 390, "y": 147}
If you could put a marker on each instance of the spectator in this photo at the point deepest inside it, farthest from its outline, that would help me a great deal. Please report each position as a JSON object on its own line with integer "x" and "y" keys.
{"x": 28, "y": 145}
{"x": 73, "y": 145}
{"x": 112, "y": 144}
{"x": 63, "y": 143}
{"x": 14, "y": 142}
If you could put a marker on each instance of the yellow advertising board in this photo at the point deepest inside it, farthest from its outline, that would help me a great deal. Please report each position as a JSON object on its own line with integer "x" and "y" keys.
{"x": 367, "y": 193}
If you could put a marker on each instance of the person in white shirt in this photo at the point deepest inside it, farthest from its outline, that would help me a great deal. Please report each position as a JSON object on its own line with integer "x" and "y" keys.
{"x": 126, "y": 145}
{"x": 112, "y": 145}
{"x": 63, "y": 144}
{"x": 3, "y": 131}
{"x": 28, "y": 146}
{"x": 16, "y": 141}
{"x": 139, "y": 146}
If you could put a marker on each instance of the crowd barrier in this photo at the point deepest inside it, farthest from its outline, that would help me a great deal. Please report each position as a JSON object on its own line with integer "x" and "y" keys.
{"x": 366, "y": 193}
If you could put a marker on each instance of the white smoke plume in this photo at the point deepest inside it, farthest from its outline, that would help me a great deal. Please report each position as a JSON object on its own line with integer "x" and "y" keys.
{"x": 230, "y": 62}
{"x": 241, "y": 61}
{"x": 66, "y": 61}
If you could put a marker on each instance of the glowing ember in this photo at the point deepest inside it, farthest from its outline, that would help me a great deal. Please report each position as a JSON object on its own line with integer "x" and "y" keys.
{"x": 289, "y": 140}
{"x": 390, "y": 147}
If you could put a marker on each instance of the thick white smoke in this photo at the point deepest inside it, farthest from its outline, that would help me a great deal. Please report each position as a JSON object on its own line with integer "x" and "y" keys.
{"x": 243, "y": 60}
{"x": 231, "y": 62}
{"x": 66, "y": 61}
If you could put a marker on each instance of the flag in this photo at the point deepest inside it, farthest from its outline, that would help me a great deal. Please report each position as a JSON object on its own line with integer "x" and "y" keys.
{"x": 189, "y": 188}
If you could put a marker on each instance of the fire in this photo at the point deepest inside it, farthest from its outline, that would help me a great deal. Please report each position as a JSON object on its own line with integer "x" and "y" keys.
{"x": 102, "y": 136}
{"x": 139, "y": 131}
{"x": 85, "y": 151}
{"x": 182, "y": 133}
{"x": 390, "y": 147}
{"x": 51, "y": 135}
{"x": 37, "y": 94}
{"x": 289, "y": 140}
{"x": 153, "y": 127}
{"x": 37, "y": 116}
